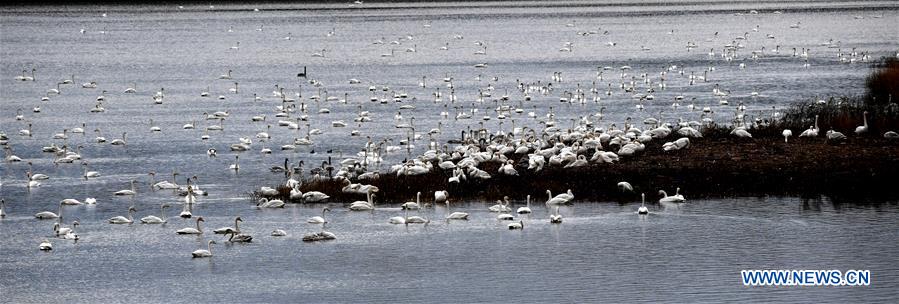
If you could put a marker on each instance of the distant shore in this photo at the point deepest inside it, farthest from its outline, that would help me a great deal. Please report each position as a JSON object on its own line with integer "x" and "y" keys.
{"x": 711, "y": 167}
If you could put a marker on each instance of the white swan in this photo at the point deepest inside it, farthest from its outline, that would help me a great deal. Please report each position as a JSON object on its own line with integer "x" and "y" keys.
{"x": 399, "y": 220}
{"x": 46, "y": 245}
{"x": 440, "y": 196}
{"x": 71, "y": 202}
{"x": 119, "y": 141}
{"x": 499, "y": 207}
{"x": 555, "y": 217}
{"x": 676, "y": 198}
{"x": 188, "y": 203}
{"x": 364, "y": 205}
{"x": 166, "y": 184}
{"x": 131, "y": 191}
{"x": 413, "y": 205}
{"x": 505, "y": 216}
{"x": 643, "y": 209}
{"x": 226, "y": 230}
{"x": 787, "y": 133}
{"x": 2, "y": 206}
{"x": 319, "y": 236}
{"x": 265, "y": 203}
{"x": 863, "y": 128}
{"x": 237, "y": 237}
{"x": 152, "y": 219}
{"x": 516, "y": 226}
{"x": 416, "y": 220}
{"x": 89, "y": 174}
{"x": 61, "y": 231}
{"x": 561, "y": 199}
{"x": 314, "y": 197}
{"x": 525, "y": 209}
{"x": 191, "y": 230}
{"x": 201, "y": 253}
{"x": 45, "y": 215}
{"x": 319, "y": 219}
{"x": 812, "y": 130}
{"x": 835, "y": 136}
{"x": 625, "y": 187}
{"x": 455, "y": 215}
{"x": 236, "y": 165}
{"x": 124, "y": 220}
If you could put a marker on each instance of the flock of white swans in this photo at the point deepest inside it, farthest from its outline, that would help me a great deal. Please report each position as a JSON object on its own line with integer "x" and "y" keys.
{"x": 534, "y": 132}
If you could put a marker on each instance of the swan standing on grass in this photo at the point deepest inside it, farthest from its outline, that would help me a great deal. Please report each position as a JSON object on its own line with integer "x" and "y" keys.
{"x": 124, "y": 220}
{"x": 227, "y": 230}
{"x": 204, "y": 253}
{"x": 812, "y": 130}
{"x": 863, "y": 128}
{"x": 319, "y": 219}
{"x": 152, "y": 219}
{"x": 834, "y": 137}
{"x": 191, "y": 230}
{"x": 643, "y": 209}
{"x": 676, "y": 198}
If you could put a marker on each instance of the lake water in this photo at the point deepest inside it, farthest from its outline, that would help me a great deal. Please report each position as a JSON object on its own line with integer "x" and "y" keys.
{"x": 602, "y": 251}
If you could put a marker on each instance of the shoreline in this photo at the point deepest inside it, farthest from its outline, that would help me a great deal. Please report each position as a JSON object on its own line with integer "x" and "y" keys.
{"x": 864, "y": 167}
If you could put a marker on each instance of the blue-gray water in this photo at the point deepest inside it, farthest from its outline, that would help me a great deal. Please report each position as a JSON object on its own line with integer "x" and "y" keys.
{"x": 602, "y": 251}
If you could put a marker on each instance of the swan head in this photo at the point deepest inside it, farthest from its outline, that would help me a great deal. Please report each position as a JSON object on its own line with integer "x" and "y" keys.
{"x": 132, "y": 209}
{"x": 662, "y": 192}
{"x": 200, "y": 219}
{"x": 165, "y": 206}
{"x": 238, "y": 219}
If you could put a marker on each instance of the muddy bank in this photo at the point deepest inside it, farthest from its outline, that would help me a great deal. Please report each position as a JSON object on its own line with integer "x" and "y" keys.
{"x": 721, "y": 167}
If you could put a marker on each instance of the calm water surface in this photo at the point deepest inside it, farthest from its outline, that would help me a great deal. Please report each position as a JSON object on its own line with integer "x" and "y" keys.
{"x": 602, "y": 251}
